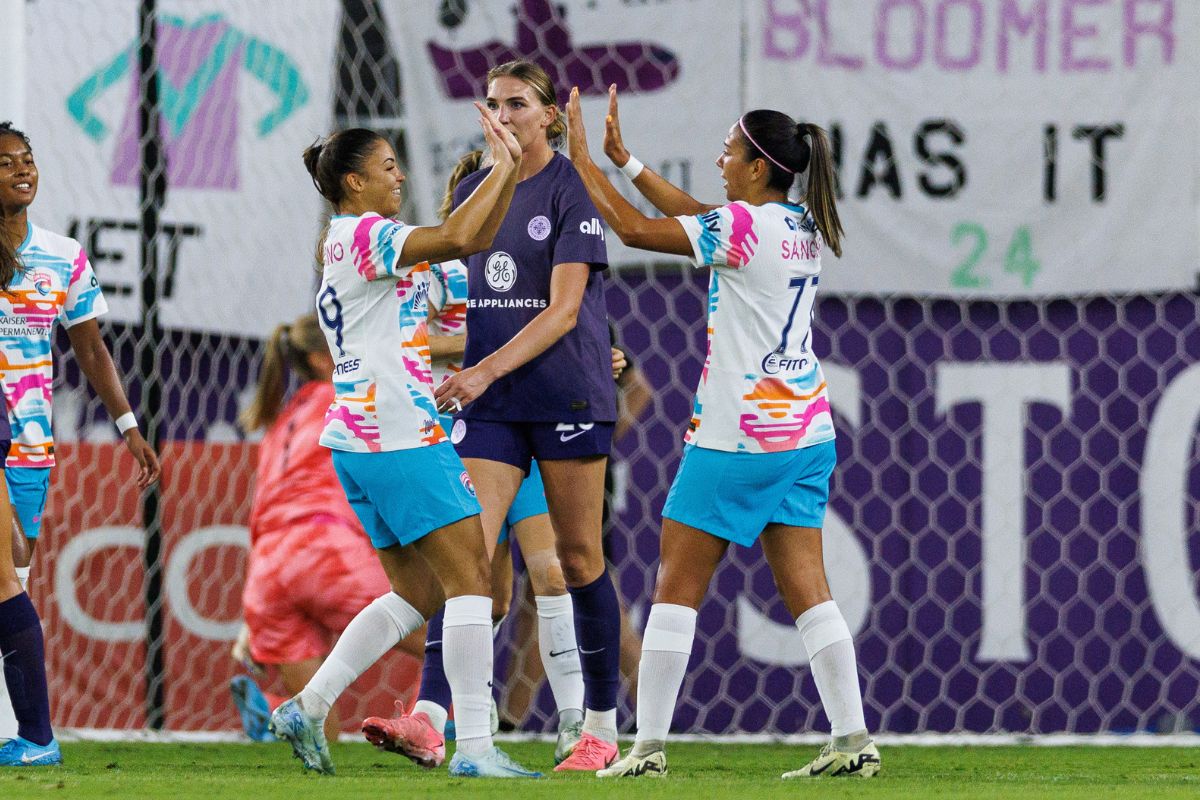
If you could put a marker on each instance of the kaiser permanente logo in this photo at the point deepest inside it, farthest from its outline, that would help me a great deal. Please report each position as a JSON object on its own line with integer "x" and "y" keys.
{"x": 200, "y": 64}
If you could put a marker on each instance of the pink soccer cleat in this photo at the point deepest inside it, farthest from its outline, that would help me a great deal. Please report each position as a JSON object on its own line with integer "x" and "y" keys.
{"x": 591, "y": 754}
{"x": 410, "y": 735}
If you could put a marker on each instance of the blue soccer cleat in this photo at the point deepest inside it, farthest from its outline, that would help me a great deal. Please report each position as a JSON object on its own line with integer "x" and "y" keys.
{"x": 305, "y": 734}
{"x": 252, "y": 707}
{"x": 20, "y": 752}
{"x": 493, "y": 764}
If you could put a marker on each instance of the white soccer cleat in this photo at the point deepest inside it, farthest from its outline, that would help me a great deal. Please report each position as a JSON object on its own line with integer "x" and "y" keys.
{"x": 833, "y": 763}
{"x": 631, "y": 766}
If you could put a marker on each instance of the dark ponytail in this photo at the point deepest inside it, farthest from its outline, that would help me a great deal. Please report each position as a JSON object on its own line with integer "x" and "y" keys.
{"x": 10, "y": 262}
{"x": 329, "y": 161}
{"x": 821, "y": 193}
{"x": 777, "y": 139}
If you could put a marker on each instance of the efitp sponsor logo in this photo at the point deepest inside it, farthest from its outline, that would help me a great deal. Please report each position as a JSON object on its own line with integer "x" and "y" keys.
{"x": 775, "y": 362}
{"x": 201, "y": 64}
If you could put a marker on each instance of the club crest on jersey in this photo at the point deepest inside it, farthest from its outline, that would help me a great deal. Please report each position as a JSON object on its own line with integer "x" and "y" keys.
{"x": 500, "y": 271}
{"x": 43, "y": 282}
{"x": 465, "y": 479}
{"x": 539, "y": 228}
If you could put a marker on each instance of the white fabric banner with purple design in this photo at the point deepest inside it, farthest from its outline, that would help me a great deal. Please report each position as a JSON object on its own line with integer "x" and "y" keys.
{"x": 678, "y": 83}
{"x": 243, "y": 87}
{"x": 998, "y": 149}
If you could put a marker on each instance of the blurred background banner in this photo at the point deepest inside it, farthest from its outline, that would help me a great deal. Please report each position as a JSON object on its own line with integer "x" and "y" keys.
{"x": 243, "y": 89}
{"x": 677, "y": 68}
{"x": 998, "y": 149}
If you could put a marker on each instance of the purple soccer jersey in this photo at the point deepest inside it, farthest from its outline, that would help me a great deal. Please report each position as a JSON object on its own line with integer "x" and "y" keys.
{"x": 551, "y": 221}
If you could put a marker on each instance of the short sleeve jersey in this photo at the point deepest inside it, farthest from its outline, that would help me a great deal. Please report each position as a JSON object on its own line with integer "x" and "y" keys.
{"x": 551, "y": 221}
{"x": 373, "y": 312}
{"x": 762, "y": 389}
{"x": 55, "y": 283}
{"x": 294, "y": 478}
{"x": 448, "y": 300}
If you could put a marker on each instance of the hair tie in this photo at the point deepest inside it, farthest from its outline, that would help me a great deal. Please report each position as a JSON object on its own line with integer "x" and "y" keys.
{"x": 746, "y": 133}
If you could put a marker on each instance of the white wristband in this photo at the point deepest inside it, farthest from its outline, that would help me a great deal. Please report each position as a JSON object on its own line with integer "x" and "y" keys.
{"x": 632, "y": 167}
{"x": 125, "y": 422}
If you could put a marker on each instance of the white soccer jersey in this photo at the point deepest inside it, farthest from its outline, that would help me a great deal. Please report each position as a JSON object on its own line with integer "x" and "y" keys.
{"x": 448, "y": 299}
{"x": 374, "y": 315}
{"x": 762, "y": 389}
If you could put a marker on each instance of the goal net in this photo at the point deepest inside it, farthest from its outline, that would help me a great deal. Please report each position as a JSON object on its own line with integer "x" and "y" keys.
{"x": 1011, "y": 528}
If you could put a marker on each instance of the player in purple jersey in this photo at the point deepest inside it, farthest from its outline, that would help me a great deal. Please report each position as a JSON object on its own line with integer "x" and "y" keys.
{"x": 537, "y": 381}
{"x": 401, "y": 476}
{"x": 759, "y": 451}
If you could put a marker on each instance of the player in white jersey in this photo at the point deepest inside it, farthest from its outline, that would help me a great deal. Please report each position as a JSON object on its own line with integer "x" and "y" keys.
{"x": 424, "y": 731}
{"x": 45, "y": 279}
{"x": 48, "y": 281}
{"x": 401, "y": 475}
{"x": 759, "y": 450}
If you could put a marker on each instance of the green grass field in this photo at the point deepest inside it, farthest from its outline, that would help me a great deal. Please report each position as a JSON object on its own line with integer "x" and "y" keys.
{"x": 701, "y": 771}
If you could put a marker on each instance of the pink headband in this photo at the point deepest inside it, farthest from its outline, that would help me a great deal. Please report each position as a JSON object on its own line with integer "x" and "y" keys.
{"x": 749, "y": 138}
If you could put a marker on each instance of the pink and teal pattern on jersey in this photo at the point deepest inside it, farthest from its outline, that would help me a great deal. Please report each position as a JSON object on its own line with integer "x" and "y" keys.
{"x": 373, "y": 249}
{"x": 778, "y": 414}
{"x": 448, "y": 301}
{"x": 55, "y": 283}
{"x": 727, "y": 240}
{"x": 351, "y": 423}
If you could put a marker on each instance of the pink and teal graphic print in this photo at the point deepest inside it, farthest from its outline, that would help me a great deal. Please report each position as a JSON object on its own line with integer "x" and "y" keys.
{"x": 200, "y": 64}
{"x": 56, "y": 283}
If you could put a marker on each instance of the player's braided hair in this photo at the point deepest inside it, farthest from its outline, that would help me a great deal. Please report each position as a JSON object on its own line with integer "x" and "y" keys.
{"x": 288, "y": 348}
{"x": 10, "y": 262}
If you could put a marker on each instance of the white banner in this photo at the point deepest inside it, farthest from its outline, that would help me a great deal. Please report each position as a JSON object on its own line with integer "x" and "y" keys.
{"x": 244, "y": 86}
{"x": 677, "y": 65}
{"x": 998, "y": 147}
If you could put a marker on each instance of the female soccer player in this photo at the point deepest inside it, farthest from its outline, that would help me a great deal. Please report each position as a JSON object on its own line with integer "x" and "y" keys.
{"x": 401, "y": 476}
{"x": 312, "y": 567}
{"x": 537, "y": 382}
{"x": 50, "y": 281}
{"x": 759, "y": 450}
{"x": 421, "y": 734}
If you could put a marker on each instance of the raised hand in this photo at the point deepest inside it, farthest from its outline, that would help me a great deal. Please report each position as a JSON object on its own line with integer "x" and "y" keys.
{"x": 493, "y": 135}
{"x": 614, "y": 148}
{"x": 577, "y": 146}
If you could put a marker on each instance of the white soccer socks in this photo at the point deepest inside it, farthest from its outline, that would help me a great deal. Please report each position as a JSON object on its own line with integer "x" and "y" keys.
{"x": 830, "y": 649}
{"x": 375, "y": 630}
{"x": 467, "y": 659}
{"x": 560, "y": 655}
{"x": 666, "y": 647}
